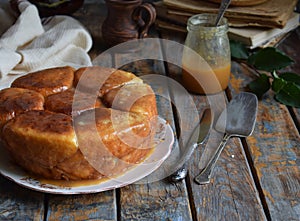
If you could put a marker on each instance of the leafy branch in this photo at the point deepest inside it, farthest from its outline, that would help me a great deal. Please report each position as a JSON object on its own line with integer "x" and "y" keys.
{"x": 267, "y": 63}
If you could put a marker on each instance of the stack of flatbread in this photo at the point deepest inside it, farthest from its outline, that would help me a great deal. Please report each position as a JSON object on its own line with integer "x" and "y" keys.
{"x": 242, "y": 2}
{"x": 241, "y": 13}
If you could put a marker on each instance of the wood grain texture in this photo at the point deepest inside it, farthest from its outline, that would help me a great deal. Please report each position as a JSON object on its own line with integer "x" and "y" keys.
{"x": 158, "y": 200}
{"x": 274, "y": 149}
{"x": 273, "y": 153}
{"x": 289, "y": 47}
{"x": 232, "y": 194}
{"x": 18, "y": 203}
{"x": 296, "y": 112}
{"x": 99, "y": 206}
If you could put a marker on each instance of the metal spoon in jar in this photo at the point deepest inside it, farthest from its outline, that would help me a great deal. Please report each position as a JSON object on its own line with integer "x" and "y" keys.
{"x": 238, "y": 119}
{"x": 222, "y": 9}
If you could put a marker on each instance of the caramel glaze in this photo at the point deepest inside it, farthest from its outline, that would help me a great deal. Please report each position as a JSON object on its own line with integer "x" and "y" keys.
{"x": 63, "y": 102}
{"x": 14, "y": 101}
{"x": 105, "y": 78}
{"x": 135, "y": 98}
{"x": 44, "y": 141}
{"x": 48, "y": 81}
{"x": 121, "y": 139}
{"x": 72, "y": 183}
{"x": 42, "y": 129}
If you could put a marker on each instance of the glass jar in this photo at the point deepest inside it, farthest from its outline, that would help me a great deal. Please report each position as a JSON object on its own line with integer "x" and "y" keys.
{"x": 206, "y": 68}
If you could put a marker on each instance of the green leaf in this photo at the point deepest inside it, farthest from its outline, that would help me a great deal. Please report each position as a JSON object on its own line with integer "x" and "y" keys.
{"x": 238, "y": 50}
{"x": 269, "y": 59}
{"x": 278, "y": 84}
{"x": 260, "y": 86}
{"x": 289, "y": 95}
{"x": 291, "y": 77}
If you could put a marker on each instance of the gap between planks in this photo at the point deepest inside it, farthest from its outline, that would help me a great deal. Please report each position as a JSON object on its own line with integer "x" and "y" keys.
{"x": 252, "y": 169}
{"x": 177, "y": 127}
{"x": 256, "y": 179}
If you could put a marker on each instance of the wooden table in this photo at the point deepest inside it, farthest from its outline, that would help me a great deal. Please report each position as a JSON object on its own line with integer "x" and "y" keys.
{"x": 256, "y": 178}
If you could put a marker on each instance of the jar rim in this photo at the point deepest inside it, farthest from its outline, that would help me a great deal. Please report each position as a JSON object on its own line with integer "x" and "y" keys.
{"x": 206, "y": 21}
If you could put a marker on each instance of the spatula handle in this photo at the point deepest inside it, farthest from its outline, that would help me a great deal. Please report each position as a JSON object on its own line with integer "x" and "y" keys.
{"x": 205, "y": 174}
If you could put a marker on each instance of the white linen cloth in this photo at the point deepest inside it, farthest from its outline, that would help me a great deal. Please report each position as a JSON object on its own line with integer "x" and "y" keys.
{"x": 27, "y": 44}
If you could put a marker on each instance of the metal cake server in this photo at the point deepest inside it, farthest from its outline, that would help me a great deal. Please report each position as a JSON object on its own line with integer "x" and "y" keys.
{"x": 199, "y": 134}
{"x": 238, "y": 119}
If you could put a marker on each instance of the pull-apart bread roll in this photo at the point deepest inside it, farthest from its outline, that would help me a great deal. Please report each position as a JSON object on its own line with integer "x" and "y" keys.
{"x": 63, "y": 102}
{"x": 40, "y": 140}
{"x": 14, "y": 101}
{"x": 66, "y": 132}
{"x": 45, "y": 144}
{"x": 119, "y": 139}
{"x": 137, "y": 98}
{"x": 48, "y": 81}
{"x": 101, "y": 79}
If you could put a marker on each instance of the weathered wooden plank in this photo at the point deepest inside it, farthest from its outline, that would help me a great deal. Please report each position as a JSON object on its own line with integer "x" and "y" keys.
{"x": 282, "y": 194}
{"x": 19, "y": 203}
{"x": 274, "y": 149}
{"x": 155, "y": 201}
{"x": 158, "y": 200}
{"x": 232, "y": 194}
{"x": 101, "y": 206}
{"x": 98, "y": 206}
{"x": 296, "y": 112}
{"x": 290, "y": 48}
{"x": 131, "y": 206}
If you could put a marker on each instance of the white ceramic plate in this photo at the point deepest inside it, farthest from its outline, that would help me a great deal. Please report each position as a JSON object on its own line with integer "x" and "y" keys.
{"x": 164, "y": 140}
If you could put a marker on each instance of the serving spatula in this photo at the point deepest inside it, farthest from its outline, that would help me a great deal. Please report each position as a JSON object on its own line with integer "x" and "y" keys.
{"x": 238, "y": 119}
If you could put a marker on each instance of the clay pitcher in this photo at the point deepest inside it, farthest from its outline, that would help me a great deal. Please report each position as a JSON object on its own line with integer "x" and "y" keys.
{"x": 127, "y": 20}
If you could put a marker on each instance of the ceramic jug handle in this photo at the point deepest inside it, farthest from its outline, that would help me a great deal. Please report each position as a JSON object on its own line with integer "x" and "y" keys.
{"x": 149, "y": 18}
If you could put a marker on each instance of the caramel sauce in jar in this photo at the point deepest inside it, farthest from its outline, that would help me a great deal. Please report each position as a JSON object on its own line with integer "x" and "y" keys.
{"x": 206, "y": 60}
{"x": 206, "y": 81}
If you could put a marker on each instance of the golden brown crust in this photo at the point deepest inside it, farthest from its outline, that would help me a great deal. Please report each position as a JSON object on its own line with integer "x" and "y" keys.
{"x": 121, "y": 139}
{"x": 137, "y": 98}
{"x": 74, "y": 168}
{"x": 44, "y": 141}
{"x": 44, "y": 137}
{"x": 48, "y": 81}
{"x": 77, "y": 168}
{"x": 72, "y": 104}
{"x": 14, "y": 101}
{"x": 100, "y": 80}
{"x": 111, "y": 126}
{"x": 118, "y": 79}
{"x": 45, "y": 144}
